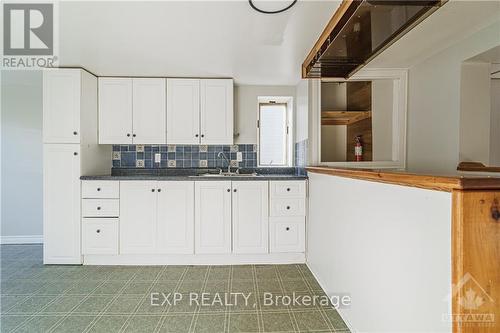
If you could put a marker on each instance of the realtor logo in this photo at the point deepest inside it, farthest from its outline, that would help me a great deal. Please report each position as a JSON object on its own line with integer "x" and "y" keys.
{"x": 28, "y": 29}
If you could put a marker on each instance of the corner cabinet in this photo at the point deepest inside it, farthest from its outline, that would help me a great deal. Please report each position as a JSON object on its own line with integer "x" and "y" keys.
{"x": 132, "y": 111}
{"x": 200, "y": 111}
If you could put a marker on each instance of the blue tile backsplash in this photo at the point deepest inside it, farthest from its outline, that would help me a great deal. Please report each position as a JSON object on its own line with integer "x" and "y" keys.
{"x": 182, "y": 156}
{"x": 301, "y": 157}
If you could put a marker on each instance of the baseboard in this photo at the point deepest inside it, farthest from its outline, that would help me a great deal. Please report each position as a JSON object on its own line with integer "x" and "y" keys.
{"x": 30, "y": 239}
{"x": 194, "y": 259}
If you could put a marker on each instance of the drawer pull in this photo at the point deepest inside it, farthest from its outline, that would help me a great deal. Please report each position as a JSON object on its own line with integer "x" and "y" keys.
{"x": 152, "y": 190}
{"x": 128, "y": 134}
{"x": 287, "y": 207}
{"x": 75, "y": 133}
{"x": 288, "y": 189}
{"x": 287, "y": 228}
{"x": 98, "y": 208}
{"x": 229, "y": 190}
{"x": 98, "y": 189}
{"x": 159, "y": 190}
{"x": 98, "y": 231}
{"x": 234, "y": 190}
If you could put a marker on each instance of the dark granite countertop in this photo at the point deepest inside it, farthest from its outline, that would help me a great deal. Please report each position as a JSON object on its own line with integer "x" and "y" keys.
{"x": 192, "y": 174}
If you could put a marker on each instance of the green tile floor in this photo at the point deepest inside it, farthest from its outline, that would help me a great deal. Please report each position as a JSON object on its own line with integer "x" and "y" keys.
{"x": 38, "y": 298}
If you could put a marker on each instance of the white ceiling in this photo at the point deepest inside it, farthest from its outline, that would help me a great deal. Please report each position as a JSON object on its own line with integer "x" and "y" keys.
{"x": 191, "y": 39}
{"x": 449, "y": 24}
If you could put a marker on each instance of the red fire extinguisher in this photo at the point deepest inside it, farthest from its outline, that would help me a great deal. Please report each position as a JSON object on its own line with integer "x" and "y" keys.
{"x": 358, "y": 149}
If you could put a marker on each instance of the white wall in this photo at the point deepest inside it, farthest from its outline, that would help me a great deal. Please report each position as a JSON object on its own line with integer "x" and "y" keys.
{"x": 475, "y": 113}
{"x": 302, "y": 110}
{"x": 495, "y": 123}
{"x": 334, "y": 143}
{"x": 434, "y": 103}
{"x": 21, "y": 122}
{"x": 246, "y": 108}
{"x": 392, "y": 259}
{"x": 382, "y": 113}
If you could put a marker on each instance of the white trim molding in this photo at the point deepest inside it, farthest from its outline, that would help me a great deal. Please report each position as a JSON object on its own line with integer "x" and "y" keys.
{"x": 400, "y": 77}
{"x": 195, "y": 259}
{"x": 29, "y": 239}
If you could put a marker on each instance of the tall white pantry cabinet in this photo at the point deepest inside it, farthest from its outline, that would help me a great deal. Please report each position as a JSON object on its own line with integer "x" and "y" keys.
{"x": 70, "y": 150}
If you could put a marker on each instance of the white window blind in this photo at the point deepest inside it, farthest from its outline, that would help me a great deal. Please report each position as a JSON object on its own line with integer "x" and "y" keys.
{"x": 273, "y": 135}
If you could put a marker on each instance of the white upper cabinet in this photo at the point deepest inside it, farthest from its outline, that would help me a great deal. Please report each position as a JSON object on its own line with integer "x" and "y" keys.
{"x": 216, "y": 125}
{"x": 115, "y": 110}
{"x": 199, "y": 111}
{"x": 132, "y": 110}
{"x": 183, "y": 111}
{"x": 148, "y": 110}
{"x": 61, "y": 106}
{"x": 212, "y": 217}
{"x": 175, "y": 225}
{"x": 250, "y": 217}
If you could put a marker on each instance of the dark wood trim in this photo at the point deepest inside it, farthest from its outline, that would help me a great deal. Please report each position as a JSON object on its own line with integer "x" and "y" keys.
{"x": 476, "y": 167}
{"x": 403, "y": 178}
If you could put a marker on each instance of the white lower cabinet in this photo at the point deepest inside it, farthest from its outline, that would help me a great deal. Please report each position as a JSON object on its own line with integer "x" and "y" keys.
{"x": 138, "y": 227}
{"x": 61, "y": 195}
{"x": 100, "y": 235}
{"x": 213, "y": 217}
{"x": 287, "y": 234}
{"x": 250, "y": 216}
{"x": 175, "y": 214}
{"x": 156, "y": 217}
{"x": 247, "y": 217}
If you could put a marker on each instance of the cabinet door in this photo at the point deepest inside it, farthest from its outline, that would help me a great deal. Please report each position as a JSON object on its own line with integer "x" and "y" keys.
{"x": 250, "y": 217}
{"x": 138, "y": 217}
{"x": 183, "y": 111}
{"x": 61, "y": 106}
{"x": 61, "y": 204}
{"x": 149, "y": 111}
{"x": 212, "y": 217}
{"x": 216, "y": 111}
{"x": 175, "y": 217}
{"x": 115, "y": 110}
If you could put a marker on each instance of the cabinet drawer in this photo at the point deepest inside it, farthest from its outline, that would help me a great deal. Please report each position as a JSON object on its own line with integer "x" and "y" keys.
{"x": 100, "y": 207}
{"x": 98, "y": 189}
{"x": 287, "y": 234}
{"x": 288, "y": 207}
{"x": 288, "y": 189}
{"x": 100, "y": 236}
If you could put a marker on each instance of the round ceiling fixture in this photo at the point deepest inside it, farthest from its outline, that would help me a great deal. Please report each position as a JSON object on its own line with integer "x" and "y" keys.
{"x": 271, "y": 11}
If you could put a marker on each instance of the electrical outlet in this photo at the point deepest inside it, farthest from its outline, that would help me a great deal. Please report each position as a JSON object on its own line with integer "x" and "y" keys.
{"x": 157, "y": 158}
{"x": 239, "y": 156}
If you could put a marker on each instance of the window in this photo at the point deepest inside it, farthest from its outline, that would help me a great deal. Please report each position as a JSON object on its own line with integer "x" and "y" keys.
{"x": 273, "y": 134}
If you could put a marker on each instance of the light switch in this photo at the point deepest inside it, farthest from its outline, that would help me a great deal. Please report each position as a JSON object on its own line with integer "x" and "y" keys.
{"x": 239, "y": 156}
{"x": 157, "y": 158}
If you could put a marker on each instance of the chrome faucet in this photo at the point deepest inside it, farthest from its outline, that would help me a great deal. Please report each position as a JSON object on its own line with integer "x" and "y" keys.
{"x": 221, "y": 154}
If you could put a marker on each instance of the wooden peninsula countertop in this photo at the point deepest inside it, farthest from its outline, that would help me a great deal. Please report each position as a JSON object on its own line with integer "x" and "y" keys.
{"x": 446, "y": 183}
